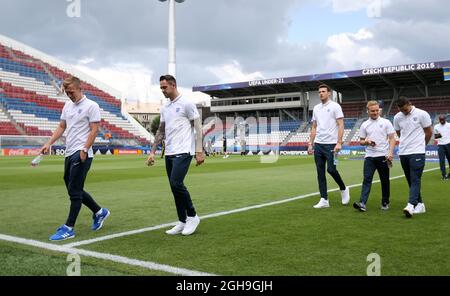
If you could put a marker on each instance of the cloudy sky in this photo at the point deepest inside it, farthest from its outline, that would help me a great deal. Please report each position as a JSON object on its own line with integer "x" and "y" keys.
{"x": 123, "y": 43}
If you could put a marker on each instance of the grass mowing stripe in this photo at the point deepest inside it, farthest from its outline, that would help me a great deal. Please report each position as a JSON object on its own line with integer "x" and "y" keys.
{"x": 146, "y": 229}
{"x": 104, "y": 256}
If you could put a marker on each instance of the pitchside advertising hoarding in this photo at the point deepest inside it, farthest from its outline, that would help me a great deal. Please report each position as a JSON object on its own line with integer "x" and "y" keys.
{"x": 352, "y": 151}
{"x": 431, "y": 151}
{"x": 19, "y": 151}
{"x": 127, "y": 152}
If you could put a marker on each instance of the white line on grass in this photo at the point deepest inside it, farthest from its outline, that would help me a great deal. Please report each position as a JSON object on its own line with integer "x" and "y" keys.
{"x": 104, "y": 256}
{"x": 120, "y": 234}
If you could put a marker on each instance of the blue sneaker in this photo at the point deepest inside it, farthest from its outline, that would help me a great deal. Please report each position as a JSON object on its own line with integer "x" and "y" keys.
{"x": 62, "y": 233}
{"x": 98, "y": 220}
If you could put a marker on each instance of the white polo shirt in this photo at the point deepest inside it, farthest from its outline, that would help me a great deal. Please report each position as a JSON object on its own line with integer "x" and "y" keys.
{"x": 378, "y": 131}
{"x": 179, "y": 132}
{"x": 444, "y": 130}
{"x": 412, "y": 136}
{"x": 78, "y": 116}
{"x": 325, "y": 116}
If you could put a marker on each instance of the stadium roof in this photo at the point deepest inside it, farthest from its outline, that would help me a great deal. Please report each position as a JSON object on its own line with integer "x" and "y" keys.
{"x": 382, "y": 77}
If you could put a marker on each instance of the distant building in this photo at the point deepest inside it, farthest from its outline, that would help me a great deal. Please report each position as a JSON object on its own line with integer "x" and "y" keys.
{"x": 143, "y": 112}
{"x": 204, "y": 110}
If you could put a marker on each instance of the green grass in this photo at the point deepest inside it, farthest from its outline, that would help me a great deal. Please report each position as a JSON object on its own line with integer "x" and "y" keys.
{"x": 25, "y": 260}
{"x": 285, "y": 239}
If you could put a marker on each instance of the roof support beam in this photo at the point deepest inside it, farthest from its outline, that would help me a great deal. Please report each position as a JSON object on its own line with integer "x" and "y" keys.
{"x": 289, "y": 114}
{"x": 424, "y": 82}
{"x": 358, "y": 84}
{"x": 361, "y": 86}
{"x": 388, "y": 81}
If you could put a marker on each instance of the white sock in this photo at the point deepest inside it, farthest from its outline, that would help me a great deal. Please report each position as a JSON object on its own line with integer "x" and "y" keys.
{"x": 70, "y": 228}
{"x": 99, "y": 212}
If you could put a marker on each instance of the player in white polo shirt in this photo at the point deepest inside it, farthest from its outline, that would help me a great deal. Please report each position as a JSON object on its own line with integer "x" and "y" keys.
{"x": 181, "y": 128}
{"x": 378, "y": 135}
{"x": 442, "y": 134}
{"x": 80, "y": 119}
{"x": 325, "y": 142}
{"x": 414, "y": 128}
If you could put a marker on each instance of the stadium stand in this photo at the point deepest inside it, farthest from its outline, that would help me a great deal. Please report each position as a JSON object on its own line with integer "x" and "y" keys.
{"x": 31, "y": 99}
{"x": 291, "y": 99}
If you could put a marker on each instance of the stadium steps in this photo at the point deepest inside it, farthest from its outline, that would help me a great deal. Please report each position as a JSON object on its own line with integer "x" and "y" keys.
{"x": 4, "y": 111}
{"x": 31, "y": 84}
{"x": 353, "y": 131}
{"x": 303, "y": 127}
{"x": 390, "y": 107}
{"x": 292, "y": 133}
{"x": 49, "y": 73}
{"x": 30, "y": 72}
{"x": 11, "y": 53}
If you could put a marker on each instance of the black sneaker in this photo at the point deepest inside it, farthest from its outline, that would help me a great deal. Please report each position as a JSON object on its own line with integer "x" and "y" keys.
{"x": 359, "y": 206}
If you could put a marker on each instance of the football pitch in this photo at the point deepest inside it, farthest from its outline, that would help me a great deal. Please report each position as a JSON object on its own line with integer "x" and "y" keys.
{"x": 257, "y": 219}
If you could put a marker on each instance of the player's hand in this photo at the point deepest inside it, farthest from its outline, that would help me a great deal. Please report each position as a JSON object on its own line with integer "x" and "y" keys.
{"x": 83, "y": 156}
{"x": 390, "y": 157}
{"x": 310, "y": 149}
{"x": 44, "y": 149}
{"x": 370, "y": 143}
{"x": 337, "y": 148}
{"x": 151, "y": 159}
{"x": 200, "y": 158}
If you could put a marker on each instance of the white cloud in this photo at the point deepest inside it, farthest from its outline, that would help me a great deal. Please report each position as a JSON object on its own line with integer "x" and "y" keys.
{"x": 356, "y": 50}
{"x": 135, "y": 82}
{"x": 132, "y": 80}
{"x": 340, "y": 6}
{"x": 233, "y": 72}
{"x": 422, "y": 41}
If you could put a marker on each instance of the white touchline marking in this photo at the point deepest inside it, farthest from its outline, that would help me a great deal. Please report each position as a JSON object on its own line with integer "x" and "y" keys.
{"x": 104, "y": 256}
{"x": 131, "y": 232}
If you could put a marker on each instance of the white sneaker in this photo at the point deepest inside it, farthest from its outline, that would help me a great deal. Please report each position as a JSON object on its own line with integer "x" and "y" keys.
{"x": 177, "y": 228}
{"x": 408, "y": 210}
{"x": 323, "y": 203}
{"x": 191, "y": 225}
{"x": 345, "y": 195}
{"x": 420, "y": 208}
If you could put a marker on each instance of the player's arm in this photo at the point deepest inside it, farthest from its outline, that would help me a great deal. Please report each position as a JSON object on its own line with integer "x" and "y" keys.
{"x": 160, "y": 135}
{"x": 56, "y": 135}
{"x": 91, "y": 139}
{"x": 340, "y": 123}
{"x": 392, "y": 143}
{"x": 437, "y": 134}
{"x": 362, "y": 142}
{"x": 199, "y": 156}
{"x": 428, "y": 133}
{"x": 312, "y": 136}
